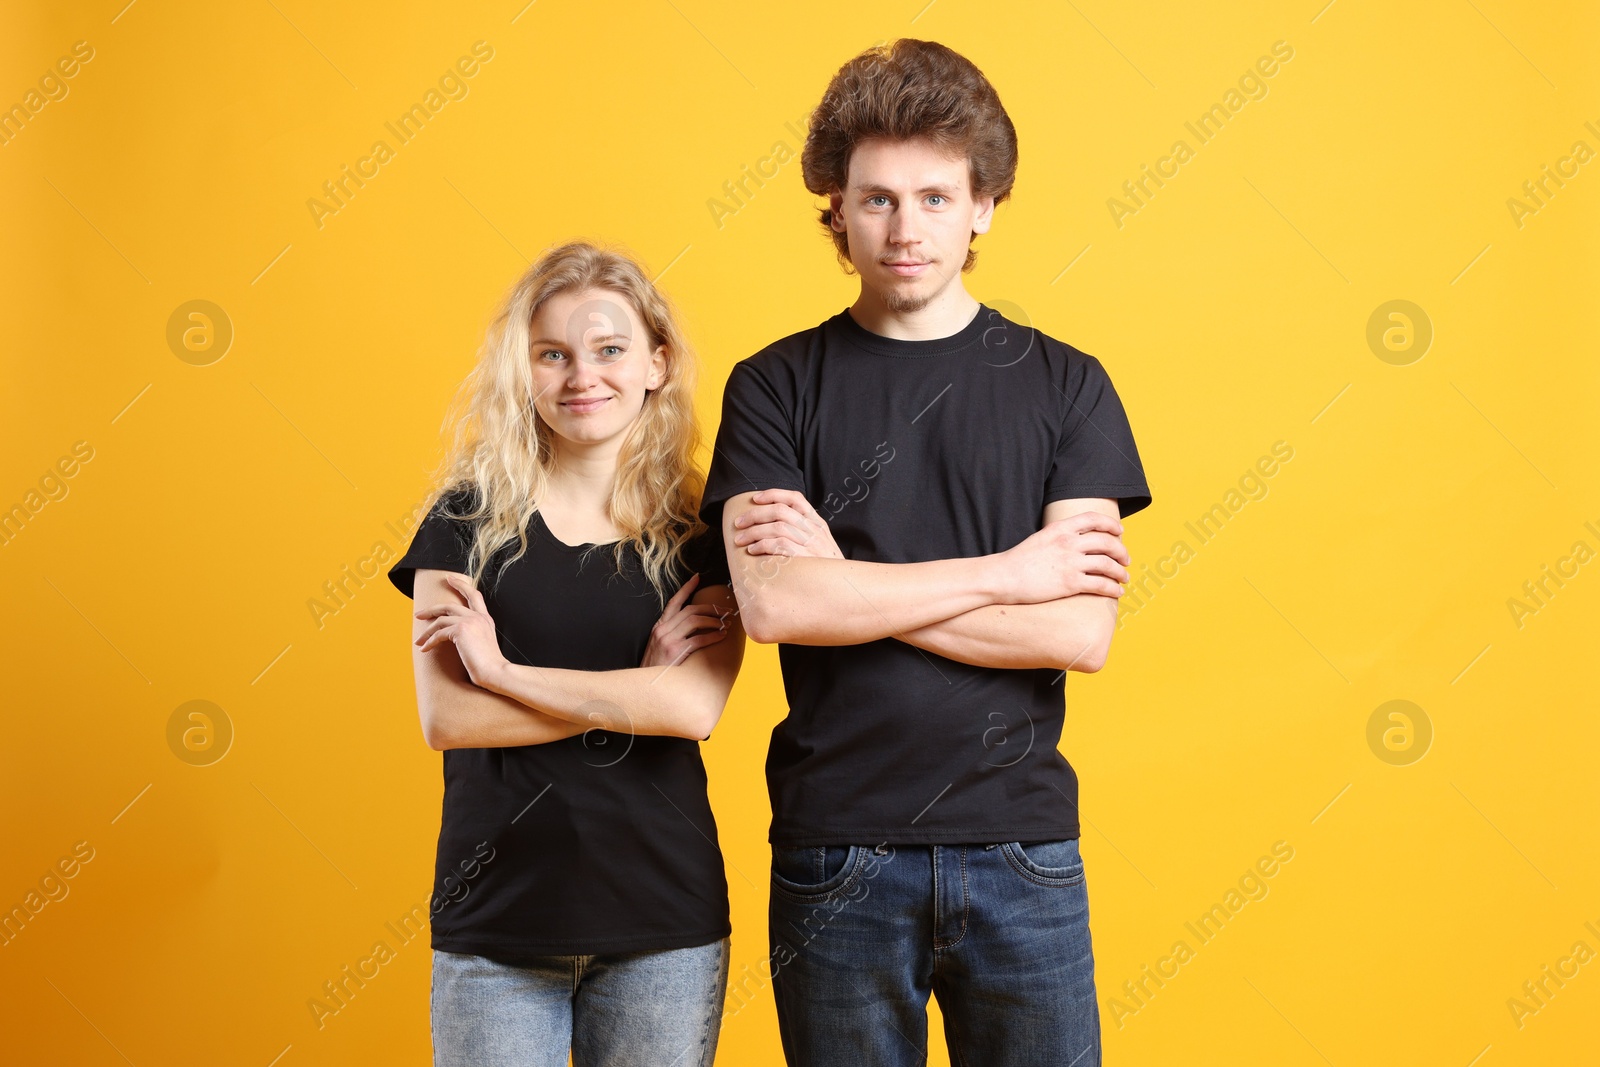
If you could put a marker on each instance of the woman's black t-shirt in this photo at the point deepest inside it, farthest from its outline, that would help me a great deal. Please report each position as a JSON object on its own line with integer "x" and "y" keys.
{"x": 600, "y": 842}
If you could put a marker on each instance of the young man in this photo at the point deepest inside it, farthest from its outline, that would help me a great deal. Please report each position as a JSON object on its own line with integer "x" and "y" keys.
{"x": 920, "y": 500}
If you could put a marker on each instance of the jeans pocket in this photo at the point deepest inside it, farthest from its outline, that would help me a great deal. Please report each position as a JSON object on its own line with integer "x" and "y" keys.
{"x": 1055, "y": 863}
{"x": 813, "y": 871}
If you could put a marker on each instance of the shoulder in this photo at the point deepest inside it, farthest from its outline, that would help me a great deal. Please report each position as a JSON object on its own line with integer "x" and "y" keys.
{"x": 458, "y": 498}
{"x": 704, "y": 552}
{"x": 1074, "y": 368}
{"x": 699, "y": 542}
{"x": 784, "y": 360}
{"x": 441, "y": 541}
{"x": 452, "y": 505}
{"x": 1010, "y": 338}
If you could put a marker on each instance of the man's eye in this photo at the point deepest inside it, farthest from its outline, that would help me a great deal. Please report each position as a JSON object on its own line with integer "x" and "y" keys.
{"x": 874, "y": 200}
{"x": 936, "y": 196}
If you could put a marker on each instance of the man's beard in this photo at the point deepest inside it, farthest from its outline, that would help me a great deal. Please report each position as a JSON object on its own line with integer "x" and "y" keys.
{"x": 907, "y": 301}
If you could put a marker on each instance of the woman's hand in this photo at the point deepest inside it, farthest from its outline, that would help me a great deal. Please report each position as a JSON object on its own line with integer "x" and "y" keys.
{"x": 674, "y": 638}
{"x": 783, "y": 523}
{"x": 469, "y": 627}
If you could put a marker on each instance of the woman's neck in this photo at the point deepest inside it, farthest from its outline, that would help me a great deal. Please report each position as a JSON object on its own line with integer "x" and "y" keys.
{"x": 578, "y": 495}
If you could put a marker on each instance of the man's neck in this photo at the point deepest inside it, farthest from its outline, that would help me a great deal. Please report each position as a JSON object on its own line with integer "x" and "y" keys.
{"x": 946, "y": 314}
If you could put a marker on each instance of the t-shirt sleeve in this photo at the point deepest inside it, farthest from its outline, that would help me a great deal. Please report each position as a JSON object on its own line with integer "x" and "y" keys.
{"x": 705, "y": 555}
{"x": 1096, "y": 454}
{"x": 440, "y": 543}
{"x": 755, "y": 446}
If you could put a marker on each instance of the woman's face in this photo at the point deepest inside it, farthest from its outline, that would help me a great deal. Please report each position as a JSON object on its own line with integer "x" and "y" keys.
{"x": 592, "y": 363}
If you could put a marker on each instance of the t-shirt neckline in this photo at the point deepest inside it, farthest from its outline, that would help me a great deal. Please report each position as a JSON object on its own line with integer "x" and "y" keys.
{"x": 550, "y": 536}
{"x": 963, "y": 338}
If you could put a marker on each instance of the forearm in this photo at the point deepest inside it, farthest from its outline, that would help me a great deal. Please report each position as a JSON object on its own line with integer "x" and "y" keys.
{"x": 465, "y": 716}
{"x": 806, "y": 600}
{"x": 1072, "y": 633}
{"x": 679, "y": 701}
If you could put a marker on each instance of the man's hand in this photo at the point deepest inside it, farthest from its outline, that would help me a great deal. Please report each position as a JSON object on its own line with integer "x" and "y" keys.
{"x": 469, "y": 627}
{"x": 784, "y": 524}
{"x": 1080, "y": 554}
{"x": 673, "y": 638}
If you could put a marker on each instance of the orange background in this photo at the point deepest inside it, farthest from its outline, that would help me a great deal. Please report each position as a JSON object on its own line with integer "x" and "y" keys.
{"x": 218, "y": 489}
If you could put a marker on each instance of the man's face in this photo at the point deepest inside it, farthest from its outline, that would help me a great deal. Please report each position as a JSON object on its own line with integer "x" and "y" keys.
{"x": 908, "y": 214}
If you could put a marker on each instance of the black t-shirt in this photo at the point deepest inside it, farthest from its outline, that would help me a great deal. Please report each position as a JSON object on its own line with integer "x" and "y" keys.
{"x": 600, "y": 842}
{"x": 916, "y": 451}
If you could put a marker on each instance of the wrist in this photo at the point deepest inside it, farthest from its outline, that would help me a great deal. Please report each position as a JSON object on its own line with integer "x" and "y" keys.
{"x": 995, "y": 579}
{"x": 498, "y": 678}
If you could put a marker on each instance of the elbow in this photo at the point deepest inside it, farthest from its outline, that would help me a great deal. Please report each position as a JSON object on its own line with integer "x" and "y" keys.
{"x": 762, "y": 636}
{"x": 1088, "y": 663}
{"x": 795, "y": 609}
{"x": 705, "y": 717}
{"x": 704, "y": 724}
{"x": 1089, "y": 641}
{"x": 758, "y": 622}
{"x": 434, "y": 731}
{"x": 1088, "y": 657}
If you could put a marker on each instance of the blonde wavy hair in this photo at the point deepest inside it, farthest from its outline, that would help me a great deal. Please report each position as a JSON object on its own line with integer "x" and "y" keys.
{"x": 498, "y": 443}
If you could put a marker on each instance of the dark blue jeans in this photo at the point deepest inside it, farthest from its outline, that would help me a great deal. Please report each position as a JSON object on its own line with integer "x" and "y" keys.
{"x": 999, "y": 933}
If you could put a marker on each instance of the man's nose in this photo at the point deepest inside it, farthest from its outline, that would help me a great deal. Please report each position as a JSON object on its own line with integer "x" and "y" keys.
{"x": 905, "y": 227}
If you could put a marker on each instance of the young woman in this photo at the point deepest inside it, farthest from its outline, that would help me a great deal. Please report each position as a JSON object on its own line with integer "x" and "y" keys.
{"x": 575, "y": 637}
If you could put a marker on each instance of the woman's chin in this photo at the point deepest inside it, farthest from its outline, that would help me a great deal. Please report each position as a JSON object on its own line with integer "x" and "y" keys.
{"x": 582, "y": 430}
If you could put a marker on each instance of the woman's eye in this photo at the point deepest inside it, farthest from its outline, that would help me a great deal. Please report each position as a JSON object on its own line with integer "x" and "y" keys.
{"x": 547, "y": 353}
{"x": 611, "y": 352}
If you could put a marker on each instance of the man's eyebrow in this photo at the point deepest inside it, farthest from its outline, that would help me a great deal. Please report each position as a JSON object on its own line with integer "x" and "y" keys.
{"x": 946, "y": 190}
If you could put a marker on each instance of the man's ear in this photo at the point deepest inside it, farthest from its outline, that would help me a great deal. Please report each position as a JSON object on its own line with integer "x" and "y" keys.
{"x": 836, "y": 216}
{"x": 984, "y": 216}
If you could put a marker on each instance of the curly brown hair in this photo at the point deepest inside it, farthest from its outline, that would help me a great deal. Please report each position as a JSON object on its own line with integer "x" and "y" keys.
{"x": 904, "y": 90}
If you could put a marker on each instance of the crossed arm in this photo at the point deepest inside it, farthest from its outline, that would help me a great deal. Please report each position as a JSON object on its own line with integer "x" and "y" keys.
{"x": 469, "y": 696}
{"x": 1070, "y": 633}
{"x": 1049, "y": 602}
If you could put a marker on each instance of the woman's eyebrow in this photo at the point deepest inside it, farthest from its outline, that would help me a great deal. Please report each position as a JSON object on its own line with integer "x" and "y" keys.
{"x": 562, "y": 344}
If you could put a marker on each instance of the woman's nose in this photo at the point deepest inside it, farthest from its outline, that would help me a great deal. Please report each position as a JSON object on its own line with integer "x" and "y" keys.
{"x": 581, "y": 374}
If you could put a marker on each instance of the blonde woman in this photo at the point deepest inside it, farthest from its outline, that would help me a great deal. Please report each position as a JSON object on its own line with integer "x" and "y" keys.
{"x": 575, "y": 638}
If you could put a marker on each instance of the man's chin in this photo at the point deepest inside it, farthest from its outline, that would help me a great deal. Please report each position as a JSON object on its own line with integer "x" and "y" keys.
{"x": 906, "y": 298}
{"x": 904, "y": 303}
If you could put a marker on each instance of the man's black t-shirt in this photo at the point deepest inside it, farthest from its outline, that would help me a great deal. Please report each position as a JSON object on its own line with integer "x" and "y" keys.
{"x": 600, "y": 842}
{"x": 916, "y": 451}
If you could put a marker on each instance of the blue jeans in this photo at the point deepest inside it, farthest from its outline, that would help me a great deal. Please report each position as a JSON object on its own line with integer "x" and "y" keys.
{"x": 999, "y": 933}
{"x": 626, "y": 1009}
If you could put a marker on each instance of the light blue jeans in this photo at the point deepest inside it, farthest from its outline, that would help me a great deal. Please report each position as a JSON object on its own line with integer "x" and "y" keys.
{"x": 625, "y": 1009}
